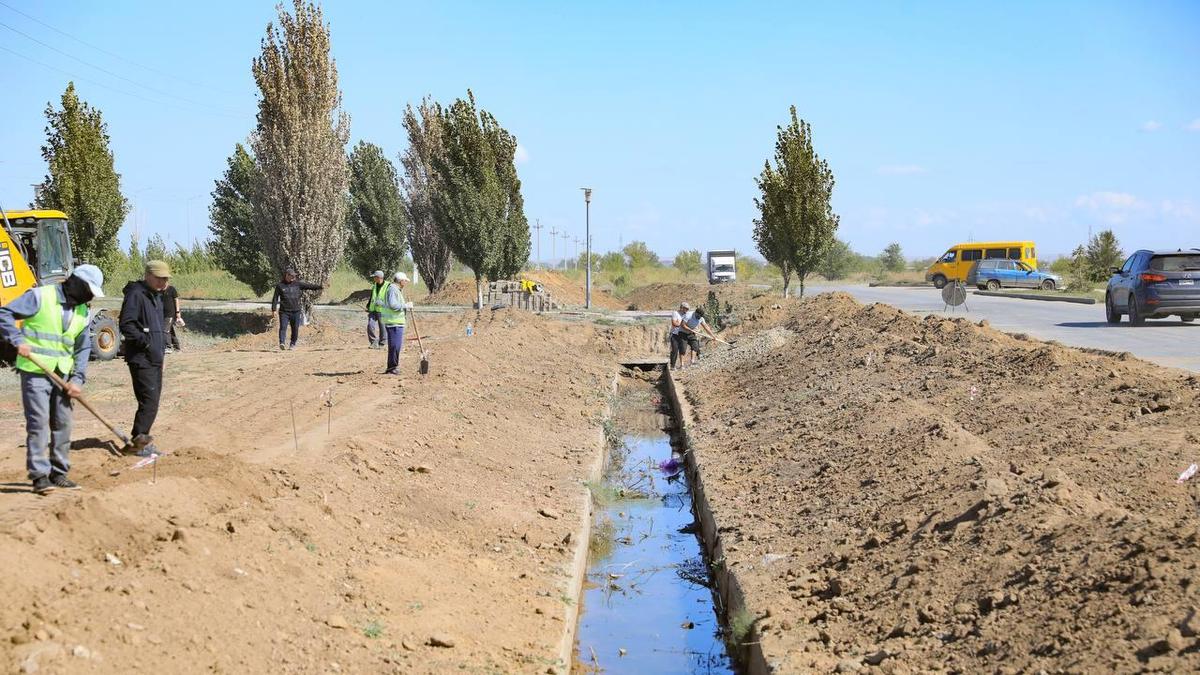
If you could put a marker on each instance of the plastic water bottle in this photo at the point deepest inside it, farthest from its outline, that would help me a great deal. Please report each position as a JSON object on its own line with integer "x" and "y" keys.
{"x": 470, "y": 330}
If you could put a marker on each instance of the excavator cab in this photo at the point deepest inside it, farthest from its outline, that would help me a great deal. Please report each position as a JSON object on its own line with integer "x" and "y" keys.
{"x": 35, "y": 249}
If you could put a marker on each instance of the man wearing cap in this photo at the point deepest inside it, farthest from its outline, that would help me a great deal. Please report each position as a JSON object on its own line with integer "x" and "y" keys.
{"x": 55, "y": 332}
{"x": 287, "y": 302}
{"x": 145, "y": 342}
{"x": 677, "y": 338}
{"x": 374, "y": 307}
{"x": 392, "y": 316}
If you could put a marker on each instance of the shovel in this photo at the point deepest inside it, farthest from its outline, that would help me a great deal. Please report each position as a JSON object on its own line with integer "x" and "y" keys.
{"x": 424, "y": 370}
{"x": 59, "y": 381}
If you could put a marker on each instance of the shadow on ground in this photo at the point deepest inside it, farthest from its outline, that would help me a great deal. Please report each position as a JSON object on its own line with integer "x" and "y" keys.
{"x": 227, "y": 324}
{"x": 1153, "y": 323}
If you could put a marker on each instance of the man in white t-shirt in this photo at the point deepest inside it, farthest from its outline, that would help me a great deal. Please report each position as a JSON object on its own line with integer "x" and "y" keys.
{"x": 677, "y": 338}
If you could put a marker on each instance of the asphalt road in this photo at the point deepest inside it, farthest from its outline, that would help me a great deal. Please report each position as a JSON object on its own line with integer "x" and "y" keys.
{"x": 1167, "y": 342}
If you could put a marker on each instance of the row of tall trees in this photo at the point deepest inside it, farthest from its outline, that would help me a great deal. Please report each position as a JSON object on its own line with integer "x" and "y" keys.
{"x": 294, "y": 199}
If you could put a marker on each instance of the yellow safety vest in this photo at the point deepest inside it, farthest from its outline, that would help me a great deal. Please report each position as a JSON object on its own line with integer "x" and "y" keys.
{"x": 389, "y": 316}
{"x": 44, "y": 333}
{"x": 379, "y": 297}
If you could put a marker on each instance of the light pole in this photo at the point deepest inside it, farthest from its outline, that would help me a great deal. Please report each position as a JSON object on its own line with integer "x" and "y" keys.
{"x": 587, "y": 238}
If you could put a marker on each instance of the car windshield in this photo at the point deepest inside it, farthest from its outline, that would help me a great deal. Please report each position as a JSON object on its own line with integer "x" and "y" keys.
{"x": 1183, "y": 262}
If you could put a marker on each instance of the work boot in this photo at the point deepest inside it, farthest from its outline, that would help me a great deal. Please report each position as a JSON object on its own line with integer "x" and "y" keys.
{"x": 42, "y": 486}
{"x": 61, "y": 480}
{"x": 282, "y": 347}
{"x": 149, "y": 451}
{"x": 292, "y": 347}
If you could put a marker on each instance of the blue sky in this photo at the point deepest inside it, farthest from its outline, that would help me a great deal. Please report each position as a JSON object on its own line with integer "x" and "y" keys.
{"x": 942, "y": 121}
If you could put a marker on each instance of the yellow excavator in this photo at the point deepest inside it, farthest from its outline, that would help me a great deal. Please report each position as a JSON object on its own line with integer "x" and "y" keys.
{"x": 35, "y": 249}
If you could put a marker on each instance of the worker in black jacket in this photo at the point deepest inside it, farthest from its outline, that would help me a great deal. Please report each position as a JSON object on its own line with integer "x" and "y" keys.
{"x": 145, "y": 342}
{"x": 287, "y": 302}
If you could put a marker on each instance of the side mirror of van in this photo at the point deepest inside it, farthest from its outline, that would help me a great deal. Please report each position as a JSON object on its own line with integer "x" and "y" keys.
{"x": 1114, "y": 270}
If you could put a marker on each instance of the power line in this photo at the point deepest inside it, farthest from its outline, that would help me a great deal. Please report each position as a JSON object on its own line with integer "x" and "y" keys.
{"x": 73, "y": 76}
{"x": 115, "y": 55}
{"x": 112, "y": 74}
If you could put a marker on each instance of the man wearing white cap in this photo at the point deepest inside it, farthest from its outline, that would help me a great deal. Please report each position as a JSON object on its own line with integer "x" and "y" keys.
{"x": 55, "y": 332}
{"x": 374, "y": 306}
{"x": 392, "y": 317}
{"x": 677, "y": 337}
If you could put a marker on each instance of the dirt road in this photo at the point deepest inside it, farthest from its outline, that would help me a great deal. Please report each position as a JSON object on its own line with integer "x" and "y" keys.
{"x": 423, "y": 526}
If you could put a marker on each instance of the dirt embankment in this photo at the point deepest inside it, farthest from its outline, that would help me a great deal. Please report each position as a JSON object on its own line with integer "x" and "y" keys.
{"x": 665, "y": 296}
{"x": 564, "y": 290}
{"x": 423, "y": 526}
{"x": 935, "y": 495}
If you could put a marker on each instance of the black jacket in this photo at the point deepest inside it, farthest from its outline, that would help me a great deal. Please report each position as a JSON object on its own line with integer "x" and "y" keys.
{"x": 142, "y": 324}
{"x": 287, "y": 296}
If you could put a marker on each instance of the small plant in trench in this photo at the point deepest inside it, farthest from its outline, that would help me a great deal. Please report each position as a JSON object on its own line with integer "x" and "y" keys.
{"x": 373, "y": 630}
{"x": 740, "y": 625}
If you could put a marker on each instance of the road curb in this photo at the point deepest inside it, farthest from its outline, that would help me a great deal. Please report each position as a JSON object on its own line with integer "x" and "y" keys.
{"x": 1028, "y": 296}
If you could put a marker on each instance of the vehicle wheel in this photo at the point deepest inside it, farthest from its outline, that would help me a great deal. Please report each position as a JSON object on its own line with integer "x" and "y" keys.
{"x": 106, "y": 339}
{"x": 939, "y": 281}
{"x": 1110, "y": 311}
{"x": 1135, "y": 316}
{"x": 1048, "y": 285}
{"x": 993, "y": 284}
{"x": 981, "y": 287}
{"x": 1187, "y": 318}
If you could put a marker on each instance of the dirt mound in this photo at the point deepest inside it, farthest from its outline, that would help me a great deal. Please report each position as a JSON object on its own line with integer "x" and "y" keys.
{"x": 663, "y": 296}
{"x": 932, "y": 494}
{"x": 564, "y": 290}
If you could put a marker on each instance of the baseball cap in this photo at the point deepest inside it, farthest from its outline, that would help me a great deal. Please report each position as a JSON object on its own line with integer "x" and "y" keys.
{"x": 378, "y": 273}
{"x": 94, "y": 278}
{"x": 685, "y": 305}
{"x": 400, "y": 276}
{"x": 158, "y": 268}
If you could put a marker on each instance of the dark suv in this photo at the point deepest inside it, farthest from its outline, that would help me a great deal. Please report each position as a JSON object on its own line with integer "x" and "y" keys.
{"x": 1153, "y": 285}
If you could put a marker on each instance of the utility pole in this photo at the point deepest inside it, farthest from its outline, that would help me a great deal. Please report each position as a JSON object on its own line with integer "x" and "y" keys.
{"x": 538, "y": 226}
{"x": 576, "y": 252}
{"x": 587, "y": 238}
{"x": 553, "y": 234}
{"x": 565, "y": 237}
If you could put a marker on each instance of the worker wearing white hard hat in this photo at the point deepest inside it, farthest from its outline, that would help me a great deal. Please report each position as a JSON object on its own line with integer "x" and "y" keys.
{"x": 393, "y": 314}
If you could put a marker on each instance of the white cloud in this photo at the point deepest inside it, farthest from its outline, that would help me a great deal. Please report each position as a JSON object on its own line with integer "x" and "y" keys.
{"x": 901, "y": 170}
{"x": 1194, "y": 125}
{"x": 522, "y": 156}
{"x": 1152, "y": 126}
{"x": 1107, "y": 200}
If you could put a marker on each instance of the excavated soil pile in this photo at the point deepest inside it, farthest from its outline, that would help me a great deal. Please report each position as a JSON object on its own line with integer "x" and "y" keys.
{"x": 564, "y": 290}
{"x": 664, "y": 296}
{"x": 930, "y": 494}
{"x": 407, "y": 525}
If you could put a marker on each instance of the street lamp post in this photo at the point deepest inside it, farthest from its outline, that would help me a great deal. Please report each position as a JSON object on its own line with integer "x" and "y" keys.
{"x": 587, "y": 238}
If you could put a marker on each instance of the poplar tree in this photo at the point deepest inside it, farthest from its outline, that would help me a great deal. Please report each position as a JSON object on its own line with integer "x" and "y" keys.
{"x": 81, "y": 180}
{"x": 299, "y": 144}
{"x": 236, "y": 246}
{"x": 477, "y": 204}
{"x": 796, "y": 222}
{"x": 377, "y": 221}
{"x": 429, "y": 250}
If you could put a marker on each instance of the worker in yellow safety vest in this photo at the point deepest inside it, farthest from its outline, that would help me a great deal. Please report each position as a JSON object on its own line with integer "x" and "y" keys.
{"x": 391, "y": 313}
{"x": 376, "y": 334}
{"x": 54, "y": 331}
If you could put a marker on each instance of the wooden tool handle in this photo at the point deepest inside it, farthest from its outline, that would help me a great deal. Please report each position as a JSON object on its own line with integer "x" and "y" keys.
{"x": 62, "y": 384}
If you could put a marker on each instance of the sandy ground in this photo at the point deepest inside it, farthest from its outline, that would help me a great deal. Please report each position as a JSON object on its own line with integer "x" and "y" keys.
{"x": 932, "y": 495}
{"x": 564, "y": 290}
{"x": 668, "y": 295}
{"x": 424, "y": 526}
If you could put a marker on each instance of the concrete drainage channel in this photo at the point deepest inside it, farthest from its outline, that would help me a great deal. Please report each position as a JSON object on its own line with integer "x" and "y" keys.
{"x": 654, "y": 597}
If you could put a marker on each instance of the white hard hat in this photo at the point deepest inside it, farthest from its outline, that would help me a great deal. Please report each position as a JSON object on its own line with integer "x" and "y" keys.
{"x": 378, "y": 273}
{"x": 400, "y": 276}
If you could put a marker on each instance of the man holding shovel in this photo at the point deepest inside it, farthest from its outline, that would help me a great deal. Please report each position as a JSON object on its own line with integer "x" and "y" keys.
{"x": 55, "y": 333}
{"x": 391, "y": 314}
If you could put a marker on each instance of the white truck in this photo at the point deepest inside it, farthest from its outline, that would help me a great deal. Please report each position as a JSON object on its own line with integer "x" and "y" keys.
{"x": 722, "y": 267}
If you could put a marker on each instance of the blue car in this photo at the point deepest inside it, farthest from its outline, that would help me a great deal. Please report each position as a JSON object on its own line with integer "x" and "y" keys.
{"x": 995, "y": 274}
{"x": 1153, "y": 285}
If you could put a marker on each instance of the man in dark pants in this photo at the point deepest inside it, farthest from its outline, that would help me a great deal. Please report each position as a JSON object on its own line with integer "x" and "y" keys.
{"x": 145, "y": 343}
{"x": 374, "y": 306}
{"x": 172, "y": 316}
{"x": 287, "y": 302}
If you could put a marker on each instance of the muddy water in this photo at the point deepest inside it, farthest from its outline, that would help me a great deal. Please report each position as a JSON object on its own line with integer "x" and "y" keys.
{"x": 647, "y": 606}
